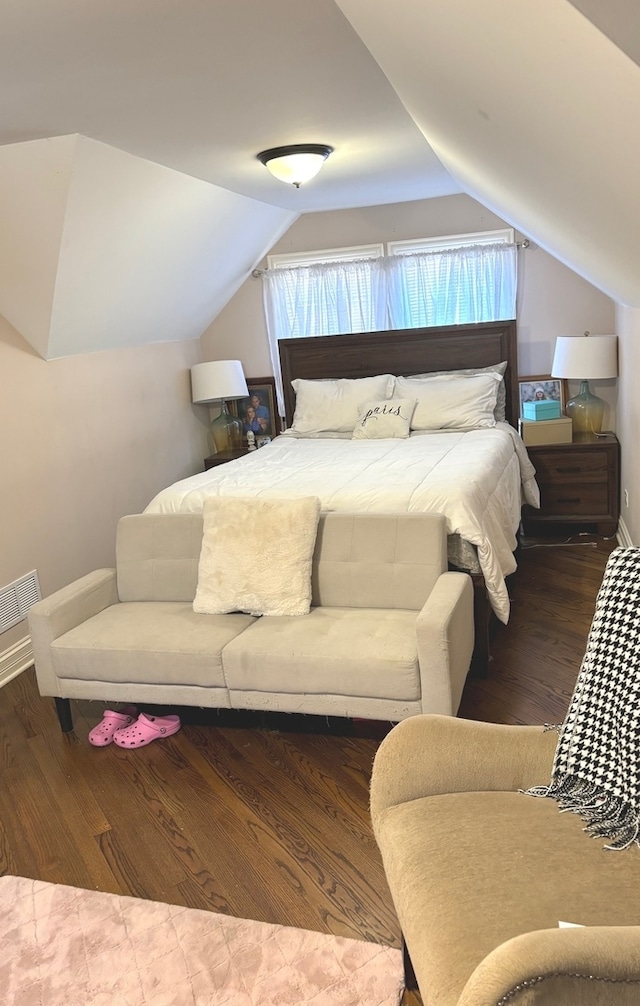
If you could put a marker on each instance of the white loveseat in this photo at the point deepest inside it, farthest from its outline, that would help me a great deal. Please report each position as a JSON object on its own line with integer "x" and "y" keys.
{"x": 389, "y": 634}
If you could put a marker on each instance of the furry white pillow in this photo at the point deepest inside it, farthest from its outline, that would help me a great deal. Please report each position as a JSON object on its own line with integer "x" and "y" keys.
{"x": 333, "y": 405}
{"x": 389, "y": 419}
{"x": 256, "y": 555}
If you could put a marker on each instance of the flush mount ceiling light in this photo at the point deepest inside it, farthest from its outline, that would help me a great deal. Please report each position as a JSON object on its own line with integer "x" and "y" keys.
{"x": 296, "y": 163}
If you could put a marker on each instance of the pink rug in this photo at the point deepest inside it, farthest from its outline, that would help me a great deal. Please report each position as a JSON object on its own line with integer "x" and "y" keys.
{"x": 62, "y": 946}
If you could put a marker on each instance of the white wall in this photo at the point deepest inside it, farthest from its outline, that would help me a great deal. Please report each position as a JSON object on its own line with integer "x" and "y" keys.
{"x": 86, "y": 440}
{"x": 34, "y": 185}
{"x": 102, "y": 250}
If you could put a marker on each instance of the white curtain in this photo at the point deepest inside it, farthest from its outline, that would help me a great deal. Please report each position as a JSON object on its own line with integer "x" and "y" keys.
{"x": 328, "y": 298}
{"x": 452, "y": 286}
{"x": 449, "y": 286}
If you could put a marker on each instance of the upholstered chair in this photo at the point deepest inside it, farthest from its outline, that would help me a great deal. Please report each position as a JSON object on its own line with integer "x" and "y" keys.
{"x": 482, "y": 874}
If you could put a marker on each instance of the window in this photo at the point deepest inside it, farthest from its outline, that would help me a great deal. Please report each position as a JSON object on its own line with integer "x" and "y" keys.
{"x": 452, "y": 280}
{"x": 326, "y": 293}
{"x": 439, "y": 281}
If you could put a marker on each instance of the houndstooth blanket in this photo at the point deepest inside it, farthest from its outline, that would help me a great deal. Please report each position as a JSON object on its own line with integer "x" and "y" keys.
{"x": 596, "y": 770}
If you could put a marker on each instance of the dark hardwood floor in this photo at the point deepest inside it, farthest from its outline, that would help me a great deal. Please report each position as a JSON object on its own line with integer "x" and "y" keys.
{"x": 262, "y": 823}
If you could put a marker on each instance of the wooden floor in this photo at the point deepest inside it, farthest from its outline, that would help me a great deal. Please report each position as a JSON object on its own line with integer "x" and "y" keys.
{"x": 264, "y": 824}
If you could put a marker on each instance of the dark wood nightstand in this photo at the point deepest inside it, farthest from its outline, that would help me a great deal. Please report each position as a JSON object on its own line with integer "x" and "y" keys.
{"x": 579, "y": 484}
{"x": 222, "y": 457}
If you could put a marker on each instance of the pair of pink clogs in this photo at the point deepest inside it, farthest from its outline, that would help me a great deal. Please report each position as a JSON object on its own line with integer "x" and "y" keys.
{"x": 122, "y": 728}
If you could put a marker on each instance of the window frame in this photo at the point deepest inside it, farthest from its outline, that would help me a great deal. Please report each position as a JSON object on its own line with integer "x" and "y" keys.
{"x": 347, "y": 254}
{"x": 504, "y": 235}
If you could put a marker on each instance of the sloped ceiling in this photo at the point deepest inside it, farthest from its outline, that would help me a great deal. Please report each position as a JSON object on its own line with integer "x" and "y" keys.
{"x": 533, "y": 110}
{"x": 201, "y": 86}
{"x": 131, "y": 201}
{"x": 104, "y": 250}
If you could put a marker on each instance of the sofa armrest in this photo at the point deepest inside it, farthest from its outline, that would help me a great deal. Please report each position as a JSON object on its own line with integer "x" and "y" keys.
{"x": 62, "y": 611}
{"x": 575, "y": 967}
{"x": 426, "y": 755}
{"x": 445, "y": 635}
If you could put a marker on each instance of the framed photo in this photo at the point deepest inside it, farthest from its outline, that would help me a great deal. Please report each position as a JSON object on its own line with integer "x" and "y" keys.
{"x": 258, "y": 412}
{"x": 542, "y": 388}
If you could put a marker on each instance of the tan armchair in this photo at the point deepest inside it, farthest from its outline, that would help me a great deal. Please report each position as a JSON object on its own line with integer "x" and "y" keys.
{"x": 481, "y": 874}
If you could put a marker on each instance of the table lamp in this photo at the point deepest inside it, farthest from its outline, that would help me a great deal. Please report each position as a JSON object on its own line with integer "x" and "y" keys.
{"x": 584, "y": 358}
{"x": 220, "y": 381}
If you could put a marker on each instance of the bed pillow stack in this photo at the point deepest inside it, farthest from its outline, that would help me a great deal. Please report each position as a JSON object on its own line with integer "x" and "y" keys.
{"x": 500, "y": 411}
{"x": 332, "y": 406}
{"x": 451, "y": 402}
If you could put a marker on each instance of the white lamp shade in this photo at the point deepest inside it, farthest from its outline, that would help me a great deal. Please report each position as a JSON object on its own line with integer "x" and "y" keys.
{"x": 217, "y": 380}
{"x": 585, "y": 357}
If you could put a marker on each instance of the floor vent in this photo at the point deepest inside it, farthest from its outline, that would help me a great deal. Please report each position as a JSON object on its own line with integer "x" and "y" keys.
{"x": 17, "y": 598}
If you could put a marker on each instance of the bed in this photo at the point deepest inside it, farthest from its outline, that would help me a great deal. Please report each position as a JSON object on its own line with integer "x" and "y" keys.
{"x": 478, "y": 478}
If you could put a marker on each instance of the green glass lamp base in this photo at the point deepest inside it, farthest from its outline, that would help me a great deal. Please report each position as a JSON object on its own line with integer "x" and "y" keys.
{"x": 586, "y": 411}
{"x": 225, "y": 432}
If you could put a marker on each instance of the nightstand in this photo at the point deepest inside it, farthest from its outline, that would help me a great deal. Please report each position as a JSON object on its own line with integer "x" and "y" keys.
{"x": 222, "y": 457}
{"x": 579, "y": 484}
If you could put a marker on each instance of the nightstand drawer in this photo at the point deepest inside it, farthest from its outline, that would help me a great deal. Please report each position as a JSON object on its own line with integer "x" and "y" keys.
{"x": 579, "y": 500}
{"x": 579, "y": 484}
{"x": 571, "y": 466}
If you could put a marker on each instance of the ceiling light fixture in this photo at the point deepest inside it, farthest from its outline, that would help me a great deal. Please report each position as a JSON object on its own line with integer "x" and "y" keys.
{"x": 296, "y": 163}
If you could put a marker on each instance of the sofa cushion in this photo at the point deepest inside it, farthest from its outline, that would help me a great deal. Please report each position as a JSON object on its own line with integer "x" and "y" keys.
{"x": 378, "y": 560}
{"x": 149, "y": 642}
{"x": 256, "y": 555}
{"x": 157, "y": 556}
{"x": 342, "y": 651}
{"x": 471, "y": 870}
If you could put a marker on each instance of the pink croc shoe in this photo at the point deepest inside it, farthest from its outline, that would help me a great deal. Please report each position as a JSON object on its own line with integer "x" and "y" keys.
{"x": 146, "y": 729}
{"x": 111, "y": 721}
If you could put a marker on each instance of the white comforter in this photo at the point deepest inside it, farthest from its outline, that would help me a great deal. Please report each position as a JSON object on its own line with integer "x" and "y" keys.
{"x": 477, "y": 479}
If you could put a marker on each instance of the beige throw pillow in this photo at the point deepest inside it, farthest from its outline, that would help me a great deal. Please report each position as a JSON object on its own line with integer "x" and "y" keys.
{"x": 256, "y": 555}
{"x": 390, "y": 419}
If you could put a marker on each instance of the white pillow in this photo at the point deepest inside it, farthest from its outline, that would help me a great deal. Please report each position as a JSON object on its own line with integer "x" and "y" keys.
{"x": 390, "y": 418}
{"x": 499, "y": 413}
{"x": 452, "y": 403}
{"x": 333, "y": 405}
{"x": 256, "y": 555}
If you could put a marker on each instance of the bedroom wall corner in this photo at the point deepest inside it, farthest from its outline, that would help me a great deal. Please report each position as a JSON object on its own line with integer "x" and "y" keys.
{"x": 89, "y": 438}
{"x": 240, "y": 333}
{"x": 628, "y": 330}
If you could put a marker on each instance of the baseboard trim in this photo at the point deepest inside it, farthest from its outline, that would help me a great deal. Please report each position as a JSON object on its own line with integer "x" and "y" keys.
{"x": 15, "y": 660}
{"x": 624, "y": 538}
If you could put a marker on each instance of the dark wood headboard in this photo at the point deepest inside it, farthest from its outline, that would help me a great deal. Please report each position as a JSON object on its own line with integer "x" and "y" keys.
{"x": 402, "y": 352}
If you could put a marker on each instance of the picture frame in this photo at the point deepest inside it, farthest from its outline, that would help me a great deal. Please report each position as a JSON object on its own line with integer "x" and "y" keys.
{"x": 541, "y": 387}
{"x": 264, "y": 421}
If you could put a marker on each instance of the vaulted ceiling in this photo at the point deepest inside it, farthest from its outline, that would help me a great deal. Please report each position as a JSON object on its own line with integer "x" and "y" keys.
{"x": 160, "y": 107}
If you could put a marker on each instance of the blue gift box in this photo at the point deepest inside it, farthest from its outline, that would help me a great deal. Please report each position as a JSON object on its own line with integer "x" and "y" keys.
{"x": 541, "y": 410}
